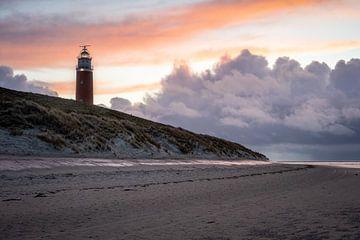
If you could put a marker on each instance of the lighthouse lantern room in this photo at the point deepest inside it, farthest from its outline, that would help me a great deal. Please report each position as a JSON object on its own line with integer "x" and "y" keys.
{"x": 84, "y": 77}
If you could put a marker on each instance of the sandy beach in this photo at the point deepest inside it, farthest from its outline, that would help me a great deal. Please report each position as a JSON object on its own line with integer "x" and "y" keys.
{"x": 198, "y": 200}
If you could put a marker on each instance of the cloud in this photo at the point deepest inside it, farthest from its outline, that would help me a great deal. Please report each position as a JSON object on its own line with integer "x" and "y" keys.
{"x": 245, "y": 100}
{"x": 49, "y": 40}
{"x": 120, "y": 104}
{"x": 346, "y": 77}
{"x": 21, "y": 83}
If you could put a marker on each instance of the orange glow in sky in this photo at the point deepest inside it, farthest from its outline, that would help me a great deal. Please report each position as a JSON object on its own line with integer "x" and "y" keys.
{"x": 133, "y": 49}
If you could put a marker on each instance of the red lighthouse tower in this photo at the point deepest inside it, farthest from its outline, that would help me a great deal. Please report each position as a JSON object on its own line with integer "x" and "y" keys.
{"x": 84, "y": 77}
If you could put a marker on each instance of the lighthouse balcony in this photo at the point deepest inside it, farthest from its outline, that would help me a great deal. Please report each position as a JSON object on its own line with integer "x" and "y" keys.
{"x": 79, "y": 68}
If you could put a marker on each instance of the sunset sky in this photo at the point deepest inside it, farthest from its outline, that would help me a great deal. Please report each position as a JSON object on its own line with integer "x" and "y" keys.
{"x": 158, "y": 53}
{"x": 135, "y": 43}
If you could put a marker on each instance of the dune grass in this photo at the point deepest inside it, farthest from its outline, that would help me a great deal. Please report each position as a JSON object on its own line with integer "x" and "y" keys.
{"x": 66, "y": 123}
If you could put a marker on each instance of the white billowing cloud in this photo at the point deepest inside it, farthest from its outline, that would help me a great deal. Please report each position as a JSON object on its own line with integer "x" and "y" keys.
{"x": 21, "y": 83}
{"x": 179, "y": 108}
{"x": 120, "y": 104}
{"x": 317, "y": 115}
{"x": 244, "y": 100}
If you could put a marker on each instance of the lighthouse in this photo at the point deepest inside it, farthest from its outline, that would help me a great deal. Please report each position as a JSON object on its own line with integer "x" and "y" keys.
{"x": 84, "y": 77}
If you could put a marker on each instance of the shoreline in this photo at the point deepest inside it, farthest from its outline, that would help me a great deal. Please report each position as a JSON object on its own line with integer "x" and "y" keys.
{"x": 19, "y": 163}
{"x": 22, "y": 163}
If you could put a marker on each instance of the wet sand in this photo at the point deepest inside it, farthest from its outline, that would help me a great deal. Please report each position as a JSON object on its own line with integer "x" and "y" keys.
{"x": 271, "y": 201}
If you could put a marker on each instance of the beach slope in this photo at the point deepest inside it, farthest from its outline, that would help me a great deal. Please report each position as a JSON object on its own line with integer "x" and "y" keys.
{"x": 196, "y": 201}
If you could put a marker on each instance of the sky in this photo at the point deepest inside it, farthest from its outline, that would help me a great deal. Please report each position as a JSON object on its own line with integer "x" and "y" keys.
{"x": 278, "y": 76}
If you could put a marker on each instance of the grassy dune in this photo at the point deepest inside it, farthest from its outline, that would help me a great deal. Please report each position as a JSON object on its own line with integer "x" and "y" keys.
{"x": 73, "y": 128}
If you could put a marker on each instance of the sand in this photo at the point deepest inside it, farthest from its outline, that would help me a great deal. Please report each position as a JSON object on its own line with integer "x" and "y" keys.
{"x": 184, "y": 201}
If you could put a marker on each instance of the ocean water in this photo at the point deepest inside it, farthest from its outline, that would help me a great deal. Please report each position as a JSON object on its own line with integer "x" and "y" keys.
{"x": 14, "y": 164}
{"x": 340, "y": 163}
{"x": 37, "y": 163}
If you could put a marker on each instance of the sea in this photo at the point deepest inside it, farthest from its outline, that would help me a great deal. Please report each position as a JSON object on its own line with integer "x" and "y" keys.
{"x": 18, "y": 164}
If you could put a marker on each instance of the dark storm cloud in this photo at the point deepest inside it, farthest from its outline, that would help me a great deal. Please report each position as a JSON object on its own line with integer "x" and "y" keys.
{"x": 304, "y": 110}
{"x": 21, "y": 83}
{"x": 346, "y": 77}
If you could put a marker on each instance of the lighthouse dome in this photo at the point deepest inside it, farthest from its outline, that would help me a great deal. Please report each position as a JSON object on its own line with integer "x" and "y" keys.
{"x": 84, "y": 60}
{"x": 84, "y": 54}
